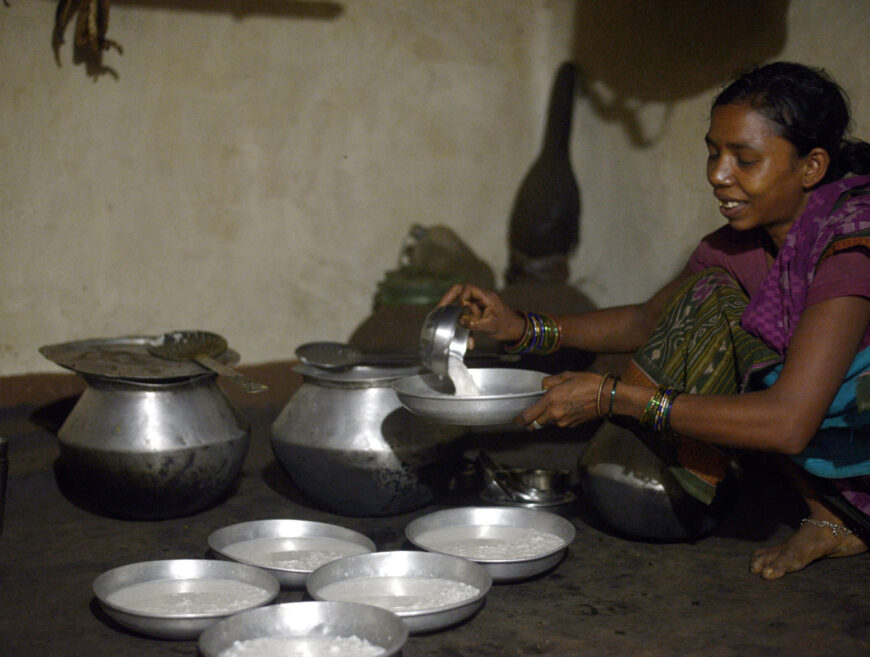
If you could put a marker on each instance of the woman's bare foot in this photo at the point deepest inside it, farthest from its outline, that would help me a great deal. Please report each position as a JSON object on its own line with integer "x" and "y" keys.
{"x": 809, "y": 543}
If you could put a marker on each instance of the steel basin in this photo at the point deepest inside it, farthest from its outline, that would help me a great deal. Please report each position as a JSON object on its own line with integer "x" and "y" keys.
{"x": 307, "y": 619}
{"x": 177, "y": 574}
{"x": 480, "y": 521}
{"x": 399, "y": 564}
{"x": 505, "y": 393}
{"x": 223, "y": 540}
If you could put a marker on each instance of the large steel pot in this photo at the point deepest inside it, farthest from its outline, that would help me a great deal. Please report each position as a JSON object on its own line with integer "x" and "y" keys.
{"x": 636, "y": 494}
{"x": 153, "y": 449}
{"x": 353, "y": 449}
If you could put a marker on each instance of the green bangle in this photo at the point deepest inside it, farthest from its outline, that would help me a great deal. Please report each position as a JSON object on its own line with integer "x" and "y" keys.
{"x": 612, "y": 396}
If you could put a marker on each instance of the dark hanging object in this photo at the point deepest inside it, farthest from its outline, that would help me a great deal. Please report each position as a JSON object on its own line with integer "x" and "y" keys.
{"x": 546, "y": 214}
{"x": 92, "y": 23}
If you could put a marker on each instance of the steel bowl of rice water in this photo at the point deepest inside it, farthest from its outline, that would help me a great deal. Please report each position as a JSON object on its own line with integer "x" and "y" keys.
{"x": 179, "y": 598}
{"x": 289, "y": 549}
{"x": 512, "y": 543}
{"x": 501, "y": 394}
{"x": 427, "y": 591}
{"x": 307, "y": 628}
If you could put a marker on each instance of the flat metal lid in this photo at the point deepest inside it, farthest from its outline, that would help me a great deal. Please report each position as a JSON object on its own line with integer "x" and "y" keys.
{"x": 125, "y": 358}
{"x": 361, "y": 376}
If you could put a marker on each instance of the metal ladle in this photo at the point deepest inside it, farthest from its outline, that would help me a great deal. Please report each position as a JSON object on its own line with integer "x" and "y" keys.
{"x": 510, "y": 484}
{"x": 201, "y": 347}
{"x": 339, "y": 356}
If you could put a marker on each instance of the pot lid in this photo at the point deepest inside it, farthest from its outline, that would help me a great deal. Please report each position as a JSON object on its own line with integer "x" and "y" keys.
{"x": 360, "y": 376}
{"x": 125, "y": 358}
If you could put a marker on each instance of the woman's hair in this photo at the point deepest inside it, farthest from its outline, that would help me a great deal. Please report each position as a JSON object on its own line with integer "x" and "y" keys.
{"x": 810, "y": 109}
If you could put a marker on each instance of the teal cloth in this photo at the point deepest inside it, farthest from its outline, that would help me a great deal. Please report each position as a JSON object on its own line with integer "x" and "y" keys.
{"x": 841, "y": 448}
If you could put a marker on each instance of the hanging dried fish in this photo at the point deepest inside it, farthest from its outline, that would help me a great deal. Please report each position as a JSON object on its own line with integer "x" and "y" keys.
{"x": 92, "y": 23}
{"x": 63, "y": 13}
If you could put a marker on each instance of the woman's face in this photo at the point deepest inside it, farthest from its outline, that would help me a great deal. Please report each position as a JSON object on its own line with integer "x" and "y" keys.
{"x": 755, "y": 173}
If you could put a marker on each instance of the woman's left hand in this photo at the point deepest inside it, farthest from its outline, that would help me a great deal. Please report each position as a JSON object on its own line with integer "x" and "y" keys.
{"x": 571, "y": 400}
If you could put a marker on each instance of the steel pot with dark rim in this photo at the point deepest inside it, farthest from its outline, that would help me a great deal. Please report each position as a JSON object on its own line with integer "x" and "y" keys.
{"x": 147, "y": 439}
{"x": 353, "y": 449}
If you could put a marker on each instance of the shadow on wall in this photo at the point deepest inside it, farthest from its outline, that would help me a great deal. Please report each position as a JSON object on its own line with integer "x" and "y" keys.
{"x": 634, "y": 54}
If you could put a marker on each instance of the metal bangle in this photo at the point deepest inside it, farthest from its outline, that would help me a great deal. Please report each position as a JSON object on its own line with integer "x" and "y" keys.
{"x": 612, "y": 395}
{"x": 598, "y": 397}
{"x": 666, "y": 420}
{"x": 522, "y": 344}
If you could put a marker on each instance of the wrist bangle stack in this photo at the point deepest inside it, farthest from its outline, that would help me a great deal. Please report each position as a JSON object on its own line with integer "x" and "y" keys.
{"x": 541, "y": 338}
{"x": 657, "y": 415}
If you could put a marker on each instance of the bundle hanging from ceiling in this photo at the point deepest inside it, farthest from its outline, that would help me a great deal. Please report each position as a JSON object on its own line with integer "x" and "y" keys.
{"x": 92, "y": 23}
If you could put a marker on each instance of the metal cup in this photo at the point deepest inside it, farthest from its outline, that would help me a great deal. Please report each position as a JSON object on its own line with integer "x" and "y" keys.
{"x": 441, "y": 337}
{"x": 4, "y": 470}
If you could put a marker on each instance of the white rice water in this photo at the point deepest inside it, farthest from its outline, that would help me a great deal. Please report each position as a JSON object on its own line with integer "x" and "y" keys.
{"x": 303, "y": 646}
{"x": 400, "y": 594}
{"x": 462, "y": 380}
{"x": 188, "y": 596}
{"x": 305, "y": 553}
{"x": 490, "y": 542}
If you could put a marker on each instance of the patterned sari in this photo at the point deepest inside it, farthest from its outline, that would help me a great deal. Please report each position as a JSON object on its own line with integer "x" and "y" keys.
{"x": 700, "y": 347}
{"x": 712, "y": 339}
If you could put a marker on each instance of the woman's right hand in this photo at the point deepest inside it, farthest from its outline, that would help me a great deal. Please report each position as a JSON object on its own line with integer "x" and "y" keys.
{"x": 486, "y": 312}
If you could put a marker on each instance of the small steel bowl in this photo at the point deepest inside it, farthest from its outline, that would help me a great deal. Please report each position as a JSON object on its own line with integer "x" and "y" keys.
{"x": 504, "y": 394}
{"x": 563, "y": 503}
{"x": 398, "y": 564}
{"x": 309, "y": 619}
{"x": 544, "y": 479}
{"x": 180, "y": 575}
{"x": 475, "y": 522}
{"x": 225, "y": 539}
{"x": 441, "y": 337}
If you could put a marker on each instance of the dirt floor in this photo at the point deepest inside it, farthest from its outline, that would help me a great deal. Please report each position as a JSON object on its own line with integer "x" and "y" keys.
{"x": 610, "y": 596}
